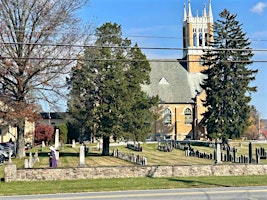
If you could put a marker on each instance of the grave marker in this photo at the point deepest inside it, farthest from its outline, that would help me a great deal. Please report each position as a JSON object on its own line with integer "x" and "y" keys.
{"x": 57, "y": 139}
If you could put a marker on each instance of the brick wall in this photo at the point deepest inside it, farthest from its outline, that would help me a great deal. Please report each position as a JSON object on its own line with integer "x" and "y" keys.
{"x": 11, "y": 173}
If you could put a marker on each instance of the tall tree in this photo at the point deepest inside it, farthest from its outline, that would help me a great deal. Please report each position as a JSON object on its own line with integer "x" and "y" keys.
{"x": 114, "y": 72}
{"x": 255, "y": 126}
{"x": 33, "y": 55}
{"x": 228, "y": 79}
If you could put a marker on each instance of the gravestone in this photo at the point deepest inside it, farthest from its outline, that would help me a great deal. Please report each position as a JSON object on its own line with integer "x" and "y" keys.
{"x": 9, "y": 156}
{"x": 73, "y": 143}
{"x": 43, "y": 144}
{"x": 36, "y": 158}
{"x": 100, "y": 144}
{"x": 57, "y": 139}
{"x": 82, "y": 157}
{"x": 57, "y": 155}
{"x": 217, "y": 153}
{"x": 250, "y": 152}
{"x": 234, "y": 152}
{"x": 26, "y": 163}
{"x": 30, "y": 160}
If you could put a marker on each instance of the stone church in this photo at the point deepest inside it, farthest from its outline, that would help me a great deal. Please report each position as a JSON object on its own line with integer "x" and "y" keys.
{"x": 177, "y": 83}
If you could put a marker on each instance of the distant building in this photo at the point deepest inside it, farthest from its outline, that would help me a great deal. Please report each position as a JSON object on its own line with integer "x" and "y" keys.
{"x": 178, "y": 83}
{"x": 52, "y": 118}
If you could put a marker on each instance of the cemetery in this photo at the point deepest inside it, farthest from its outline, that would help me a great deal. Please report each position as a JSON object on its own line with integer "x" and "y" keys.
{"x": 158, "y": 159}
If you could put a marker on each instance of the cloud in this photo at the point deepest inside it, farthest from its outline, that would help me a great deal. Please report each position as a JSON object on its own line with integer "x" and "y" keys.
{"x": 258, "y": 8}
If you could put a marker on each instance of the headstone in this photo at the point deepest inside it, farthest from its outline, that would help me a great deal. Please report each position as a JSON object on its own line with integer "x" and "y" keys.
{"x": 30, "y": 160}
{"x": 257, "y": 156}
{"x": 9, "y": 156}
{"x": 217, "y": 153}
{"x": 57, "y": 139}
{"x": 100, "y": 144}
{"x": 227, "y": 155}
{"x": 73, "y": 143}
{"x": 57, "y": 155}
{"x": 26, "y": 163}
{"x": 234, "y": 156}
{"x": 250, "y": 152}
{"x": 36, "y": 158}
{"x": 144, "y": 161}
{"x": 82, "y": 157}
{"x": 43, "y": 144}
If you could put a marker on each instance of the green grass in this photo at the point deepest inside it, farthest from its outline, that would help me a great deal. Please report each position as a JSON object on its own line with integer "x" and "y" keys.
{"x": 69, "y": 157}
{"x": 69, "y": 186}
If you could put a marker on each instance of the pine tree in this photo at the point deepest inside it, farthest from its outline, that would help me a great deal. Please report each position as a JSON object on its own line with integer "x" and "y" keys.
{"x": 114, "y": 72}
{"x": 78, "y": 103}
{"x": 228, "y": 79}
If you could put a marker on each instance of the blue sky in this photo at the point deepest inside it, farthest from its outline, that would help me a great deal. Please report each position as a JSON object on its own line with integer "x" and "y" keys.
{"x": 160, "y": 22}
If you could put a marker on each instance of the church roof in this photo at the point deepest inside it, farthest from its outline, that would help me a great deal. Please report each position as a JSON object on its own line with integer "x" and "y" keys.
{"x": 172, "y": 83}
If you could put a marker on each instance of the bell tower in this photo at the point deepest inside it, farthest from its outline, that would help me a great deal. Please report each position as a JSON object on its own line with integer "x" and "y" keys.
{"x": 197, "y": 34}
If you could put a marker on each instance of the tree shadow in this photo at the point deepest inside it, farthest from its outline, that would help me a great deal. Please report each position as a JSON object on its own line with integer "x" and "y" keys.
{"x": 195, "y": 182}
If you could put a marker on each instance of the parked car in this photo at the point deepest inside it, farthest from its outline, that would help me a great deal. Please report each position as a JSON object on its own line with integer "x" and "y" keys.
{"x": 8, "y": 147}
{"x": 3, "y": 156}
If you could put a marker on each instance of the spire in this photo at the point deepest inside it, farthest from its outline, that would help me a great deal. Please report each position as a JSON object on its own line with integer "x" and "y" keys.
{"x": 210, "y": 12}
{"x": 189, "y": 9}
{"x": 204, "y": 11}
{"x": 184, "y": 12}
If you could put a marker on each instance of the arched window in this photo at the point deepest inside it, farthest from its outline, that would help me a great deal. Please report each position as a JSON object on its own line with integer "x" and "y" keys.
{"x": 195, "y": 39}
{"x": 167, "y": 117}
{"x": 200, "y": 39}
{"x": 206, "y": 39}
{"x": 188, "y": 116}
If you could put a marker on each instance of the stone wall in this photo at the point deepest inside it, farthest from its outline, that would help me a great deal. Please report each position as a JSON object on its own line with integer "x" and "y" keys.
{"x": 11, "y": 173}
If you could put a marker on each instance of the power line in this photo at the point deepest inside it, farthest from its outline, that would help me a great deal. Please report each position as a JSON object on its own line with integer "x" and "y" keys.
{"x": 132, "y": 60}
{"x": 128, "y": 47}
{"x": 133, "y": 36}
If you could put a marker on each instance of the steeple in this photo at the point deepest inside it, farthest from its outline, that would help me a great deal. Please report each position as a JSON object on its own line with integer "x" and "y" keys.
{"x": 210, "y": 12}
{"x": 185, "y": 13}
{"x": 189, "y": 9}
{"x": 197, "y": 35}
{"x": 204, "y": 11}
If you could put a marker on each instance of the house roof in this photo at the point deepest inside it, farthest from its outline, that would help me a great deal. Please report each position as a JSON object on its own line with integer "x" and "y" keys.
{"x": 172, "y": 83}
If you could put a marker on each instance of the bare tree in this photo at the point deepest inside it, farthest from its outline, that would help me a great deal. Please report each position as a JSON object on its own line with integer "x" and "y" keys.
{"x": 37, "y": 40}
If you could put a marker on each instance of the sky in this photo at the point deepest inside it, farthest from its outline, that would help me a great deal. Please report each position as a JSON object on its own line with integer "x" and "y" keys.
{"x": 158, "y": 23}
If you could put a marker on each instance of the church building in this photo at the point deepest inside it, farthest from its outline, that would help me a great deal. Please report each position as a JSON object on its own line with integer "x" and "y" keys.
{"x": 177, "y": 83}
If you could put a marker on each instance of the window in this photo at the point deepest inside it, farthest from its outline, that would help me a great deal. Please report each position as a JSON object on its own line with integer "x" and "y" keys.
{"x": 200, "y": 39}
{"x": 167, "y": 117}
{"x": 201, "y": 62}
{"x": 195, "y": 39}
{"x": 206, "y": 39}
{"x": 187, "y": 116}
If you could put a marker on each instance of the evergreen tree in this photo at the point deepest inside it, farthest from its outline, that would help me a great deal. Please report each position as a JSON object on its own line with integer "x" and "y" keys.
{"x": 114, "y": 71}
{"x": 79, "y": 102}
{"x": 228, "y": 79}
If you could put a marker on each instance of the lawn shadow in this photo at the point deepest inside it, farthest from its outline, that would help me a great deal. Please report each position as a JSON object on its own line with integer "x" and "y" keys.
{"x": 194, "y": 182}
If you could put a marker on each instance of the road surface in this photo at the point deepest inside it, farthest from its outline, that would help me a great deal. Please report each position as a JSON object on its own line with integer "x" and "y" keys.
{"x": 225, "y": 193}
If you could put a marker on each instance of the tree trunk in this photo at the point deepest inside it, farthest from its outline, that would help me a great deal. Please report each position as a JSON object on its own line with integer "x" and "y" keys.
{"x": 105, "y": 149}
{"x": 20, "y": 141}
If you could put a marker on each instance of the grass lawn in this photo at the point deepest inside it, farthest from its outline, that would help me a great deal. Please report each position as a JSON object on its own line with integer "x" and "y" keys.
{"x": 69, "y": 157}
{"x": 94, "y": 185}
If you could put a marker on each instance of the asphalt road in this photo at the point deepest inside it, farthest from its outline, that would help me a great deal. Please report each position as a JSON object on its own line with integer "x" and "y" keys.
{"x": 229, "y": 193}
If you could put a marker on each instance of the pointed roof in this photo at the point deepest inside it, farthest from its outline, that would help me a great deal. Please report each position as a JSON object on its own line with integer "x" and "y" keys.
{"x": 210, "y": 12}
{"x": 185, "y": 15}
{"x": 189, "y": 9}
{"x": 204, "y": 11}
{"x": 181, "y": 86}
